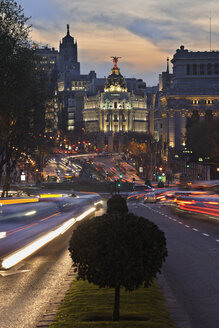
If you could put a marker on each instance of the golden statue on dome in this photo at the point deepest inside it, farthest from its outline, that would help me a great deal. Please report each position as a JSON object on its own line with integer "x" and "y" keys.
{"x": 115, "y": 60}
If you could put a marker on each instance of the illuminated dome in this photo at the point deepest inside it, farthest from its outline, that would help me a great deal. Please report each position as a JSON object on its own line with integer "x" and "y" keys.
{"x": 115, "y": 81}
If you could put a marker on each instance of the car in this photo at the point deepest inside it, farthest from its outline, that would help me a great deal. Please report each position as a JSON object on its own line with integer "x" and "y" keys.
{"x": 150, "y": 198}
{"x": 142, "y": 188}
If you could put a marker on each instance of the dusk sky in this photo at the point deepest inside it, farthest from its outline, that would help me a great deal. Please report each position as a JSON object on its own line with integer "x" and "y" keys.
{"x": 143, "y": 32}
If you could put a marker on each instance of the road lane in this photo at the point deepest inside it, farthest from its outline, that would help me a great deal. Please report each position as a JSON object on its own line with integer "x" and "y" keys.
{"x": 192, "y": 267}
{"x": 26, "y": 292}
{"x": 26, "y": 231}
{"x": 28, "y": 289}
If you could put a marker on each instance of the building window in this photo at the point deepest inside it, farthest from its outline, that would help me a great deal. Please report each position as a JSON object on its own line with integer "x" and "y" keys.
{"x": 194, "y": 69}
{"x": 216, "y": 68}
{"x": 209, "y": 68}
{"x": 71, "y": 128}
{"x": 115, "y": 118}
{"x": 188, "y": 69}
{"x": 71, "y": 122}
{"x": 208, "y": 115}
{"x": 115, "y": 104}
{"x": 202, "y": 69}
{"x": 195, "y": 102}
{"x": 209, "y": 101}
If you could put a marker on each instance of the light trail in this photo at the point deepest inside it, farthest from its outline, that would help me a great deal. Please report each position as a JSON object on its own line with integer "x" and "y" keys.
{"x": 20, "y": 229}
{"x": 3, "y": 234}
{"x": 18, "y": 201}
{"x": 31, "y": 248}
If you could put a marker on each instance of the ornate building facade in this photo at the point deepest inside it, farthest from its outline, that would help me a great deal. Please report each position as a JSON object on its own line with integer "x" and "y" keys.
{"x": 83, "y": 100}
{"x": 191, "y": 91}
{"x": 116, "y": 110}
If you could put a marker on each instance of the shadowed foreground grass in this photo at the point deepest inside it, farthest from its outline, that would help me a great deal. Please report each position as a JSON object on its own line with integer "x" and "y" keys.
{"x": 89, "y": 306}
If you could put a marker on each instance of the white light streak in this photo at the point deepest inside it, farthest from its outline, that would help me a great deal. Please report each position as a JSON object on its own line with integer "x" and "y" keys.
{"x": 3, "y": 234}
{"x": 30, "y": 213}
{"x": 23, "y": 253}
{"x": 100, "y": 202}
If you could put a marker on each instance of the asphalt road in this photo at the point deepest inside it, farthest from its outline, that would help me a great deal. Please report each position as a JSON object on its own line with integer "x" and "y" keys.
{"x": 192, "y": 267}
{"x": 27, "y": 289}
{"x": 24, "y": 223}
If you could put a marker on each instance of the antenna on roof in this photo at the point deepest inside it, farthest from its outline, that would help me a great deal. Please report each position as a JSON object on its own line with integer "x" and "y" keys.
{"x": 210, "y": 31}
{"x": 168, "y": 65}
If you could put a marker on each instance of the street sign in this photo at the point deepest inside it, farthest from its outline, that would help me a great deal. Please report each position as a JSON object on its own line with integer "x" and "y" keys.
{"x": 23, "y": 177}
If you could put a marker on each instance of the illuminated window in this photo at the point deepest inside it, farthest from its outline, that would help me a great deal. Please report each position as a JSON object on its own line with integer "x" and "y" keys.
{"x": 71, "y": 122}
{"x": 71, "y": 127}
{"x": 209, "y": 101}
{"x": 195, "y": 102}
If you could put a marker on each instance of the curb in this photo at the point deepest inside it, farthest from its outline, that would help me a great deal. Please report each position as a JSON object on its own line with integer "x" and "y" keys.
{"x": 176, "y": 312}
{"x": 48, "y": 317}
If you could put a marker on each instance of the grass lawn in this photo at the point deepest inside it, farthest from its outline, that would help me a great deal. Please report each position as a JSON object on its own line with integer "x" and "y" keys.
{"x": 89, "y": 306}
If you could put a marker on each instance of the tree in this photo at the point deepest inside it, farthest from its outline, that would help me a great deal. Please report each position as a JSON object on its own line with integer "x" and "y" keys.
{"x": 116, "y": 250}
{"x": 20, "y": 87}
{"x": 203, "y": 140}
{"x": 117, "y": 204}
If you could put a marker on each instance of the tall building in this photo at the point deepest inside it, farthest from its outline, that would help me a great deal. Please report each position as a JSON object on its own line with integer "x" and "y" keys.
{"x": 104, "y": 105}
{"x": 47, "y": 62}
{"x": 191, "y": 91}
{"x": 70, "y": 85}
{"x": 116, "y": 111}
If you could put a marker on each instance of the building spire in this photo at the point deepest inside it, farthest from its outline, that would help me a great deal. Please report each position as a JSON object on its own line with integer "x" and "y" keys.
{"x": 67, "y": 29}
{"x": 168, "y": 65}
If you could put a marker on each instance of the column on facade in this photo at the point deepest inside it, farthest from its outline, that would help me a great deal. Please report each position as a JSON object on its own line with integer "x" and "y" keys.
{"x": 183, "y": 121}
{"x": 101, "y": 125}
{"x": 131, "y": 123}
{"x": 180, "y": 128}
{"x": 103, "y": 120}
{"x": 120, "y": 121}
{"x": 164, "y": 133}
{"x": 111, "y": 120}
{"x": 201, "y": 116}
{"x": 128, "y": 119}
{"x": 171, "y": 128}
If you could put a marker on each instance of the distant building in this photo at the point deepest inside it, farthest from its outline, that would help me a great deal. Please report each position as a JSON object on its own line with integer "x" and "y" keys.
{"x": 116, "y": 111}
{"x": 47, "y": 61}
{"x": 77, "y": 93}
{"x": 191, "y": 91}
{"x": 70, "y": 86}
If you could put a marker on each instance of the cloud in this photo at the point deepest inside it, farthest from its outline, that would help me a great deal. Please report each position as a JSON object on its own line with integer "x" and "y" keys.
{"x": 143, "y": 32}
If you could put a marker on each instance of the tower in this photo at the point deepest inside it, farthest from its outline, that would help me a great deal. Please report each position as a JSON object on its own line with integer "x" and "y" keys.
{"x": 69, "y": 64}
